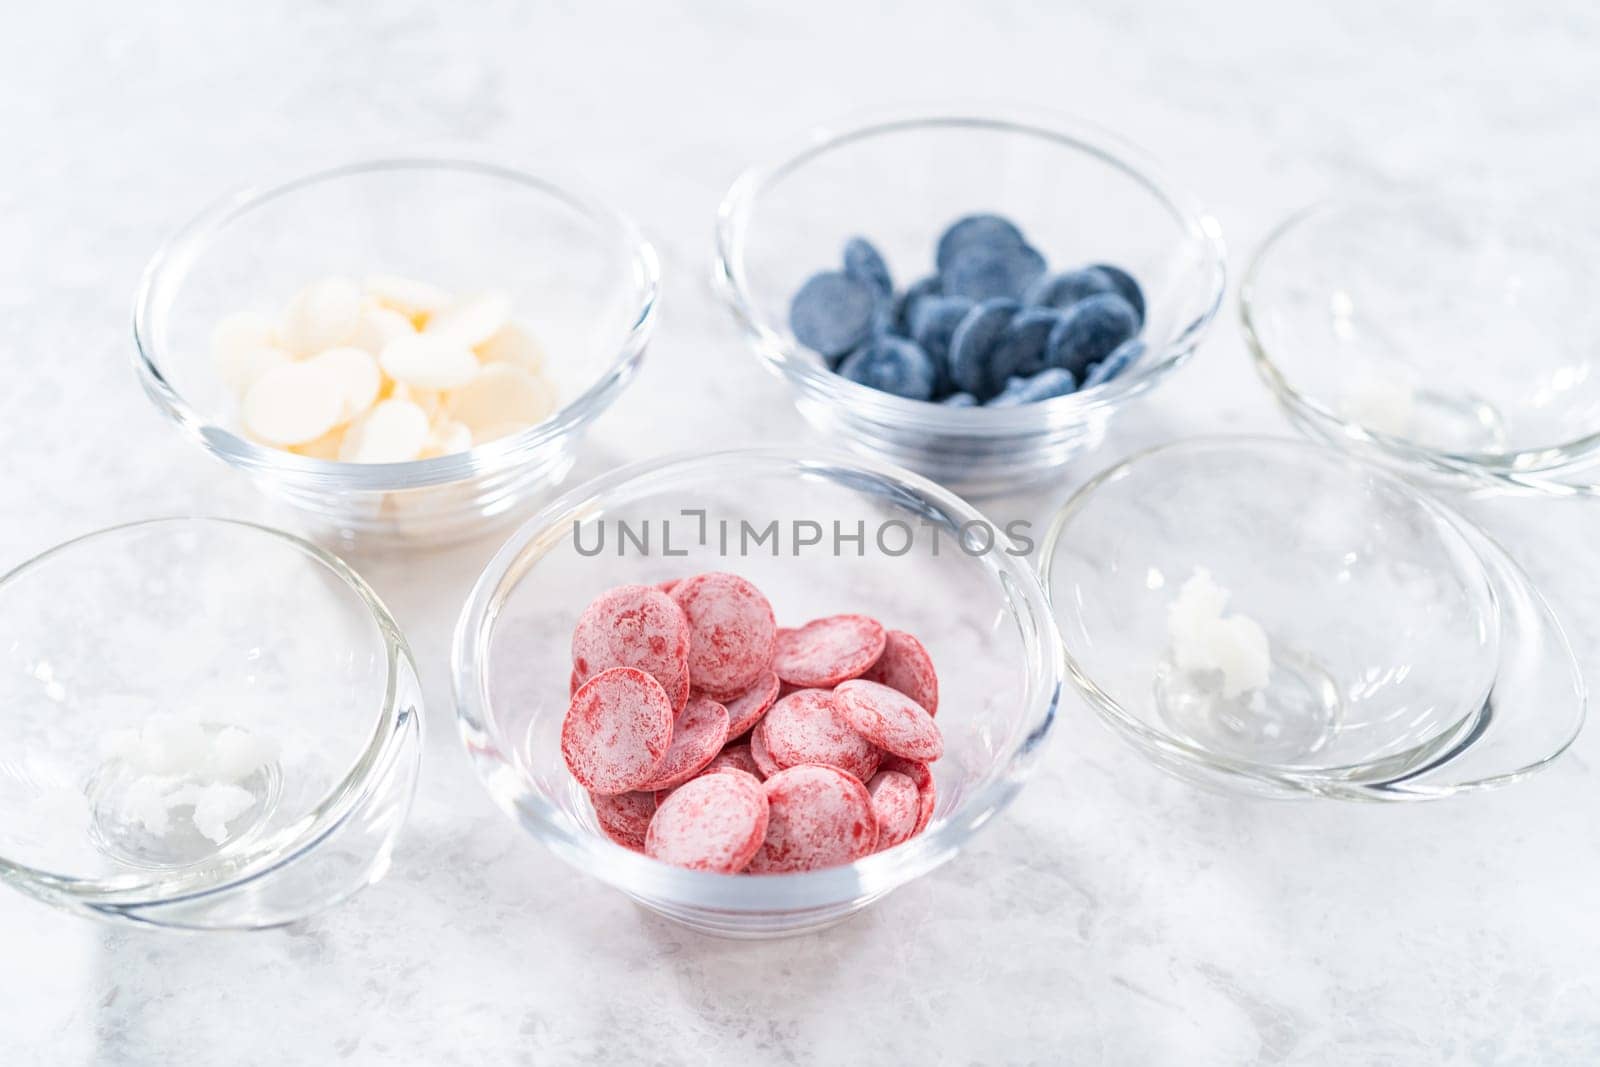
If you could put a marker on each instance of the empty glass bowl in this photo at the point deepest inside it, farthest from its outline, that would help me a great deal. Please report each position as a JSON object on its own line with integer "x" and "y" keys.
{"x": 775, "y": 519}
{"x": 1080, "y": 195}
{"x": 1456, "y": 337}
{"x": 578, "y": 273}
{"x": 1277, "y": 617}
{"x": 208, "y": 724}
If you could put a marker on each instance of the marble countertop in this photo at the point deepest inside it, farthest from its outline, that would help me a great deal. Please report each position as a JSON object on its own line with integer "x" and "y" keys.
{"x": 1114, "y": 915}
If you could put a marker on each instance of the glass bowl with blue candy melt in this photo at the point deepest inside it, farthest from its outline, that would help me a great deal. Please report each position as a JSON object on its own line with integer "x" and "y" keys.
{"x": 1078, "y": 194}
{"x": 209, "y": 725}
{"x": 982, "y": 615}
{"x": 578, "y": 273}
{"x": 1454, "y": 336}
{"x": 1278, "y": 618}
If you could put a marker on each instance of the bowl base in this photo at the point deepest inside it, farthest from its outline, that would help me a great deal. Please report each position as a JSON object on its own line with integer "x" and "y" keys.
{"x": 1294, "y": 717}
{"x": 1458, "y": 421}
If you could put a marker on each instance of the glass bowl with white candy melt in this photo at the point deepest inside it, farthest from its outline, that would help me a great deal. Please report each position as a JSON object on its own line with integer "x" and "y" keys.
{"x": 1077, "y": 193}
{"x": 982, "y": 616}
{"x": 393, "y": 327}
{"x": 1278, "y": 618}
{"x": 209, "y": 725}
{"x": 1454, "y": 336}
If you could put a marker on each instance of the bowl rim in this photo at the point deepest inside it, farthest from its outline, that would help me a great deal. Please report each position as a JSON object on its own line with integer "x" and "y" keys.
{"x": 255, "y": 857}
{"x": 1444, "y": 738}
{"x": 1519, "y": 467}
{"x": 660, "y": 883}
{"x": 773, "y": 344}
{"x": 169, "y": 268}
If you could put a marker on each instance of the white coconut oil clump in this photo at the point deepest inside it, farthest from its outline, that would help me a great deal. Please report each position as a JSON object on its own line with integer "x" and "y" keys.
{"x": 182, "y": 767}
{"x": 168, "y": 746}
{"x": 1206, "y": 639}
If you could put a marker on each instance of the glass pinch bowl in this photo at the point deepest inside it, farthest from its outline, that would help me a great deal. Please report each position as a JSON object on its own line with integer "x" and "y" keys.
{"x": 981, "y": 614}
{"x": 1277, "y": 618}
{"x": 578, "y": 274}
{"x": 209, "y": 725}
{"x": 1455, "y": 336}
{"x": 1079, "y": 194}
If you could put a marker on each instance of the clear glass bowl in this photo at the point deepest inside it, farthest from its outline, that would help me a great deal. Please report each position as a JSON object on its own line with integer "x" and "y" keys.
{"x": 215, "y": 624}
{"x": 1409, "y": 656}
{"x": 1079, "y": 194}
{"x": 577, "y": 272}
{"x": 982, "y": 615}
{"x": 1456, "y": 337}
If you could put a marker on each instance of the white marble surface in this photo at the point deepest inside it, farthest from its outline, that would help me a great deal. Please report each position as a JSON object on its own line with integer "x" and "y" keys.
{"x": 1114, "y": 915}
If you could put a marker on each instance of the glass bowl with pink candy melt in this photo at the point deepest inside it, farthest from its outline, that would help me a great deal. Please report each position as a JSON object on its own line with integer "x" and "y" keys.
{"x": 925, "y": 562}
